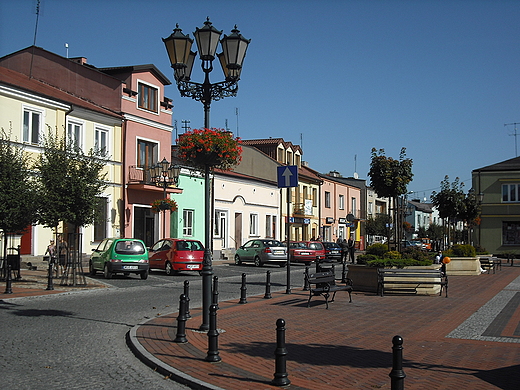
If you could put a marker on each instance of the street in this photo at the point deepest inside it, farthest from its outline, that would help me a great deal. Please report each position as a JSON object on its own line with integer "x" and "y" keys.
{"x": 77, "y": 340}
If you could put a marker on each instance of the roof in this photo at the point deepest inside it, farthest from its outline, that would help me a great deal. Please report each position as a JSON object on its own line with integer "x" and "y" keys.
{"x": 136, "y": 68}
{"x": 424, "y": 207}
{"x": 23, "y": 82}
{"x": 513, "y": 164}
{"x": 270, "y": 142}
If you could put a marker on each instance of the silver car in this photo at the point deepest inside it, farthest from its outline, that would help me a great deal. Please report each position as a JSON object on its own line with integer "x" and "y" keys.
{"x": 262, "y": 251}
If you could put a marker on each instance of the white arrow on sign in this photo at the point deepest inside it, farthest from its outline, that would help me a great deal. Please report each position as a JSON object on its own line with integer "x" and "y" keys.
{"x": 287, "y": 175}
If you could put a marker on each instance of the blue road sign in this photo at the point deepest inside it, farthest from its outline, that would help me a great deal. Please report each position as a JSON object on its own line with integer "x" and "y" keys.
{"x": 287, "y": 176}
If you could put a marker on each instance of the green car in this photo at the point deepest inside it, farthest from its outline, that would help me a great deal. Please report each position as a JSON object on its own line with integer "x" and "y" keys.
{"x": 120, "y": 255}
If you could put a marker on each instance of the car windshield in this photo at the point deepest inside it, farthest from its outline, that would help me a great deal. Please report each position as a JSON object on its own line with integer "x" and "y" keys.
{"x": 130, "y": 247}
{"x": 189, "y": 246}
{"x": 315, "y": 245}
{"x": 330, "y": 245}
{"x": 272, "y": 243}
{"x": 298, "y": 245}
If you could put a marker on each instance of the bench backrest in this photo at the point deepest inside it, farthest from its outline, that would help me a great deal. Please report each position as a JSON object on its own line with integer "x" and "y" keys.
{"x": 320, "y": 277}
{"x": 423, "y": 273}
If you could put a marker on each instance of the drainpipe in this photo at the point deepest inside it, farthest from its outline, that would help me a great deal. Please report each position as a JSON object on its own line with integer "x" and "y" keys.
{"x": 122, "y": 216}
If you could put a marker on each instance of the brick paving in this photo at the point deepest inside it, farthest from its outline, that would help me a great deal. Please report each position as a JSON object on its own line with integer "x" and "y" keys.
{"x": 467, "y": 341}
{"x": 349, "y": 346}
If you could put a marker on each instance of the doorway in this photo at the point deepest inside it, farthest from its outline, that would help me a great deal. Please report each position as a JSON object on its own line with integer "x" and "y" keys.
{"x": 144, "y": 225}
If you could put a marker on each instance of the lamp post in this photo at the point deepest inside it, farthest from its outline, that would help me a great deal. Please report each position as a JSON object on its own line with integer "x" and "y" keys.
{"x": 234, "y": 46}
{"x": 164, "y": 174}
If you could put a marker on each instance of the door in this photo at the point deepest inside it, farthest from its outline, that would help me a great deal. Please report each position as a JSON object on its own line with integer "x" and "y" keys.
{"x": 144, "y": 225}
{"x": 238, "y": 230}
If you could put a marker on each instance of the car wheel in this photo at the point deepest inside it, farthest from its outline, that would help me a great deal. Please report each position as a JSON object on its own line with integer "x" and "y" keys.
{"x": 91, "y": 269}
{"x": 144, "y": 275}
{"x": 168, "y": 268}
{"x": 237, "y": 260}
{"x": 107, "y": 273}
{"x": 258, "y": 263}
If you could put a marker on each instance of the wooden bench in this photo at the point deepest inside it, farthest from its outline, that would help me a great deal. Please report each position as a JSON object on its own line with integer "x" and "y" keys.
{"x": 325, "y": 284}
{"x": 490, "y": 263}
{"x": 413, "y": 278}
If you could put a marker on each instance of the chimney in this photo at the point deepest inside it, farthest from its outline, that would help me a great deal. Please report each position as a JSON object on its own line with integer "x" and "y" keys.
{"x": 79, "y": 60}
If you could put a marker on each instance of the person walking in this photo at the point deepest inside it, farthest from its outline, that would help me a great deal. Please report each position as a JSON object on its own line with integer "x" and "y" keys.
{"x": 344, "y": 250}
{"x": 351, "y": 248}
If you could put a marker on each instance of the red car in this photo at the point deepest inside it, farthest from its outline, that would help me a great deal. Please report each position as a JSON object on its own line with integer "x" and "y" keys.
{"x": 306, "y": 251}
{"x": 175, "y": 254}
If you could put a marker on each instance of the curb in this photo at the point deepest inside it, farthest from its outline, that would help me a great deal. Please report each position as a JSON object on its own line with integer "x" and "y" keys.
{"x": 155, "y": 364}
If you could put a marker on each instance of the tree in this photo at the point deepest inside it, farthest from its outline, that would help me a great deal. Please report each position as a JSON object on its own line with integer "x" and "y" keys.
{"x": 18, "y": 197}
{"x": 390, "y": 177}
{"x": 377, "y": 226}
{"x": 71, "y": 182}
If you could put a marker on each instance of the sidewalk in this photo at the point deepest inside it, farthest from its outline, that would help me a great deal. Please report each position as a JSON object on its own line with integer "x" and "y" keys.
{"x": 467, "y": 341}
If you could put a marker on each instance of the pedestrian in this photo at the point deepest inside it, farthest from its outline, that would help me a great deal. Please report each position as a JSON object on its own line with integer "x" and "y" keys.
{"x": 63, "y": 250}
{"x": 344, "y": 250}
{"x": 351, "y": 248}
{"x": 438, "y": 258}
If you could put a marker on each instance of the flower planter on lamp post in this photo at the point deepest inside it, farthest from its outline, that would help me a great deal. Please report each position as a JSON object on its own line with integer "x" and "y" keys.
{"x": 234, "y": 46}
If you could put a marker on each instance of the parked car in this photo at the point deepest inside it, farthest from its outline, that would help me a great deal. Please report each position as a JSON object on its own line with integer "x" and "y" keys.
{"x": 120, "y": 255}
{"x": 262, "y": 251}
{"x": 173, "y": 255}
{"x": 306, "y": 251}
{"x": 332, "y": 250}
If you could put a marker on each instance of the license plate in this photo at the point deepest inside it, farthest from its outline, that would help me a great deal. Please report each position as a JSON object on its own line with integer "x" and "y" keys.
{"x": 304, "y": 253}
{"x": 334, "y": 252}
{"x": 192, "y": 266}
{"x": 280, "y": 252}
{"x": 130, "y": 267}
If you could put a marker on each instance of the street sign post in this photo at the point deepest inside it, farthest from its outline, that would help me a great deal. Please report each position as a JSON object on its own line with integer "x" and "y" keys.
{"x": 287, "y": 178}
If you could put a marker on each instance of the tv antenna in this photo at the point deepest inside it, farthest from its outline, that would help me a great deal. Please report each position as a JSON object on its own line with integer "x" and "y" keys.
{"x": 186, "y": 124}
{"x": 515, "y": 134}
{"x": 35, "y": 33}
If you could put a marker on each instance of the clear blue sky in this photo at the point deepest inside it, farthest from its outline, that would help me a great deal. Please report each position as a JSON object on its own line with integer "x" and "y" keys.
{"x": 440, "y": 78}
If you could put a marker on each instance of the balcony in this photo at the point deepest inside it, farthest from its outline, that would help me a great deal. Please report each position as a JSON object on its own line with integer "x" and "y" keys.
{"x": 139, "y": 179}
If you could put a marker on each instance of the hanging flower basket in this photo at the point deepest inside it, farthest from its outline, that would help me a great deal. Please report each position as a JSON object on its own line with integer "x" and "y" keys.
{"x": 215, "y": 148}
{"x": 164, "y": 204}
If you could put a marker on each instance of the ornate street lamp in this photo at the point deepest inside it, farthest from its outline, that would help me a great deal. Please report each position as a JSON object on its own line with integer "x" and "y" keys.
{"x": 234, "y": 47}
{"x": 163, "y": 174}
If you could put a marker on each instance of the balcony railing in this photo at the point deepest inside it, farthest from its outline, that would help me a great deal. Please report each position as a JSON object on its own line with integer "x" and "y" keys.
{"x": 139, "y": 175}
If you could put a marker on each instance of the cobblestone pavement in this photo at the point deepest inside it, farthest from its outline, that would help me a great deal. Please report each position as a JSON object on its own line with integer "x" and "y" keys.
{"x": 467, "y": 341}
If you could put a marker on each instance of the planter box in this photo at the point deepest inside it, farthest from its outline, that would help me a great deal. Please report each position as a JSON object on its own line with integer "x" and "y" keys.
{"x": 365, "y": 279}
{"x": 463, "y": 266}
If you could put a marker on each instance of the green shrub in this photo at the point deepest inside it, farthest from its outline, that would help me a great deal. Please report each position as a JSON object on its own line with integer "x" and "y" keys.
{"x": 417, "y": 254}
{"x": 362, "y": 259}
{"x": 377, "y": 249}
{"x": 392, "y": 255}
{"x": 463, "y": 250}
{"x": 398, "y": 263}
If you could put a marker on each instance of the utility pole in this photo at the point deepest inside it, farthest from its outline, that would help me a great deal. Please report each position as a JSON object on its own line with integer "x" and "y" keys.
{"x": 515, "y": 134}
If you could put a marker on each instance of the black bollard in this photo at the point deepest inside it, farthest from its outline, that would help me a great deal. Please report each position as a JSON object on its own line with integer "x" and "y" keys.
{"x": 8, "y": 281}
{"x": 214, "y": 299}
{"x": 268, "y": 286}
{"x": 50, "y": 285}
{"x": 187, "y": 293}
{"x": 305, "y": 280}
{"x": 243, "y": 290}
{"x": 213, "y": 354}
{"x": 180, "y": 337}
{"x": 281, "y": 378}
{"x": 397, "y": 374}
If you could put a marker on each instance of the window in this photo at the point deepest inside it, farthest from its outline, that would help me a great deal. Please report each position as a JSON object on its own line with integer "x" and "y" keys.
{"x": 220, "y": 224}
{"x": 314, "y": 197}
{"x": 510, "y": 233}
{"x": 101, "y": 139}
{"x": 31, "y": 126}
{"x": 253, "y": 224}
{"x": 75, "y": 133}
{"x": 270, "y": 226}
{"x": 100, "y": 219}
{"x": 327, "y": 199}
{"x": 146, "y": 154}
{"x": 510, "y": 192}
{"x": 354, "y": 206}
{"x": 187, "y": 222}
{"x": 147, "y": 97}
{"x": 341, "y": 202}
